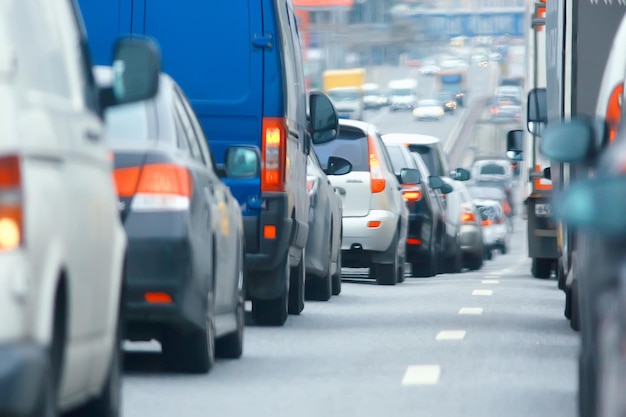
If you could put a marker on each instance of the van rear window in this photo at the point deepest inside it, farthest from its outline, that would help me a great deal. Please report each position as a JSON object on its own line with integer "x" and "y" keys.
{"x": 351, "y": 145}
{"x": 492, "y": 169}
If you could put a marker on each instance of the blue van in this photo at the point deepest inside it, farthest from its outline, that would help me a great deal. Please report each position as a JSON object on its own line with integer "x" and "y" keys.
{"x": 240, "y": 64}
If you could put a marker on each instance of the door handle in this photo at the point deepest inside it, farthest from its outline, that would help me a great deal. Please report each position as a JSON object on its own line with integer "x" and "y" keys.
{"x": 92, "y": 136}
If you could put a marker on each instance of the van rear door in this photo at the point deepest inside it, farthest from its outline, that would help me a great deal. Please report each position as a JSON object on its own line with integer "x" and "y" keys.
{"x": 214, "y": 50}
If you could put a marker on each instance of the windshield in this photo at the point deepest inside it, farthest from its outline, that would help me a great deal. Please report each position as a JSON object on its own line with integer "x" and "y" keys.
{"x": 128, "y": 123}
{"x": 344, "y": 95}
{"x": 351, "y": 145}
{"x": 402, "y": 92}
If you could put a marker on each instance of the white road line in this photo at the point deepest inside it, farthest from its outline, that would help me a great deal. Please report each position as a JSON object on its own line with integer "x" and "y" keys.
{"x": 482, "y": 292}
{"x": 492, "y": 276}
{"x": 422, "y": 375}
{"x": 497, "y": 273}
{"x": 471, "y": 311}
{"x": 490, "y": 281}
{"x": 451, "y": 335}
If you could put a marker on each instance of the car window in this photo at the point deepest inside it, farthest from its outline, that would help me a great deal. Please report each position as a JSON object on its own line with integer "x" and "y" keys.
{"x": 487, "y": 212}
{"x": 386, "y": 160}
{"x": 129, "y": 123}
{"x": 397, "y": 159}
{"x": 429, "y": 157}
{"x": 197, "y": 128}
{"x": 492, "y": 169}
{"x": 350, "y": 144}
{"x": 187, "y": 129}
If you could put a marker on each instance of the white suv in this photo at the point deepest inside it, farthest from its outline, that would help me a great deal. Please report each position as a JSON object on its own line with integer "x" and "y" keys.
{"x": 62, "y": 245}
{"x": 375, "y": 216}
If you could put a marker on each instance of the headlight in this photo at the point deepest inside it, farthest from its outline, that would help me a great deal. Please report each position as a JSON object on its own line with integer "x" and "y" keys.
{"x": 440, "y": 112}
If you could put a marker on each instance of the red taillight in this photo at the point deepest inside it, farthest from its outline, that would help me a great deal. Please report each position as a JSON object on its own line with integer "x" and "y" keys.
{"x": 487, "y": 222}
{"x": 11, "y": 210}
{"x": 614, "y": 110}
{"x": 468, "y": 217}
{"x": 413, "y": 241}
{"x": 377, "y": 179}
{"x": 158, "y": 298}
{"x": 155, "y": 187}
{"x": 412, "y": 195}
{"x": 273, "y": 154}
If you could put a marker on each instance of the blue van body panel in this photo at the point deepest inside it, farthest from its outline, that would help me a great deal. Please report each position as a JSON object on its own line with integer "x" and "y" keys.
{"x": 107, "y": 21}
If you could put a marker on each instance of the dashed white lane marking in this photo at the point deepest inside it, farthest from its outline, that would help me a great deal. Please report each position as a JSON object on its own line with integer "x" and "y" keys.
{"x": 482, "y": 292}
{"x": 492, "y": 276}
{"x": 490, "y": 281}
{"x": 451, "y": 335}
{"x": 497, "y": 273}
{"x": 471, "y": 311}
{"x": 422, "y": 375}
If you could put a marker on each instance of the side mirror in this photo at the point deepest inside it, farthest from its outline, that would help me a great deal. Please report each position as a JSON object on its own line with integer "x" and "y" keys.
{"x": 460, "y": 174}
{"x": 337, "y": 166}
{"x": 446, "y": 189}
{"x": 242, "y": 162}
{"x": 597, "y": 204}
{"x": 435, "y": 182}
{"x": 136, "y": 72}
{"x": 409, "y": 176}
{"x": 571, "y": 141}
{"x": 547, "y": 173}
{"x": 537, "y": 110}
{"x": 324, "y": 122}
{"x": 515, "y": 140}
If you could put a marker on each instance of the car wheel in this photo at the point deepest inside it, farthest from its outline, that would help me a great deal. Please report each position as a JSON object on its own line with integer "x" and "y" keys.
{"x": 568, "y": 304}
{"x": 541, "y": 268}
{"x": 428, "y": 267}
{"x": 108, "y": 403}
{"x": 321, "y": 288}
{"x": 337, "y": 276}
{"x": 504, "y": 249}
{"x": 488, "y": 254}
{"x": 574, "y": 322}
{"x": 387, "y": 274}
{"x": 231, "y": 345}
{"x": 401, "y": 272}
{"x": 296, "y": 286}
{"x": 474, "y": 262}
{"x": 192, "y": 351}
{"x": 273, "y": 312}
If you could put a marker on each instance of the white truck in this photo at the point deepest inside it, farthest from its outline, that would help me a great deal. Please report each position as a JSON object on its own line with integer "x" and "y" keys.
{"x": 402, "y": 94}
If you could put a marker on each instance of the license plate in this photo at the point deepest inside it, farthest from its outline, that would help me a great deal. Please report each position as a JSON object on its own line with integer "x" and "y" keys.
{"x": 543, "y": 210}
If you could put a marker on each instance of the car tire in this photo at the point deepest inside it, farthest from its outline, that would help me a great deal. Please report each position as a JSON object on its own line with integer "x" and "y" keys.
{"x": 426, "y": 268}
{"x": 401, "y": 272}
{"x": 230, "y": 346}
{"x": 192, "y": 351}
{"x": 337, "y": 276}
{"x": 108, "y": 403}
{"x": 273, "y": 312}
{"x": 296, "y": 286}
{"x": 321, "y": 288}
{"x": 488, "y": 254}
{"x": 574, "y": 321}
{"x": 387, "y": 274}
{"x": 541, "y": 268}
{"x": 474, "y": 262}
{"x": 504, "y": 249}
{"x": 561, "y": 276}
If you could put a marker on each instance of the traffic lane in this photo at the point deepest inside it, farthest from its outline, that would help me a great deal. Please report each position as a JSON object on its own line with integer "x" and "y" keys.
{"x": 351, "y": 355}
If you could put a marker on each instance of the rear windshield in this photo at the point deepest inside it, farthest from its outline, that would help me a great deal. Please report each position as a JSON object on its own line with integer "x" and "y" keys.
{"x": 492, "y": 169}
{"x": 429, "y": 156}
{"x": 397, "y": 159}
{"x": 128, "y": 123}
{"x": 351, "y": 145}
{"x": 487, "y": 212}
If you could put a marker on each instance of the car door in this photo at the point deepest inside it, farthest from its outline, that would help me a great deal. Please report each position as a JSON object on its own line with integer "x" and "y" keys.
{"x": 226, "y": 251}
{"x": 203, "y": 212}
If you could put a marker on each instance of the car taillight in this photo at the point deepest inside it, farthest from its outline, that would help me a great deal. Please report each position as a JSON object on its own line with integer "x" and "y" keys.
{"x": 311, "y": 184}
{"x": 468, "y": 217}
{"x": 11, "y": 208}
{"x": 377, "y": 179}
{"x": 273, "y": 154}
{"x": 412, "y": 195}
{"x": 487, "y": 222}
{"x": 155, "y": 187}
{"x": 614, "y": 110}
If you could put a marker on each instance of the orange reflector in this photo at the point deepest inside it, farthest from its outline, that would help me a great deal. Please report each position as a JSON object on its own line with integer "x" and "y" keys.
{"x": 468, "y": 217}
{"x": 269, "y": 231}
{"x": 158, "y": 298}
{"x": 614, "y": 111}
{"x": 10, "y": 176}
{"x": 487, "y": 222}
{"x": 373, "y": 224}
{"x": 413, "y": 241}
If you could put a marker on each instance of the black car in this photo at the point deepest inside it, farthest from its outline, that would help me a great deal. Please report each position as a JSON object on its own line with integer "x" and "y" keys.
{"x": 184, "y": 267}
{"x": 426, "y": 233}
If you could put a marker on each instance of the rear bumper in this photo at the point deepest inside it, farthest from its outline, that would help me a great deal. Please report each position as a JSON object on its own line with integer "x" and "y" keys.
{"x": 161, "y": 259}
{"x": 471, "y": 239}
{"x": 356, "y": 234}
{"x": 23, "y": 369}
{"x": 402, "y": 106}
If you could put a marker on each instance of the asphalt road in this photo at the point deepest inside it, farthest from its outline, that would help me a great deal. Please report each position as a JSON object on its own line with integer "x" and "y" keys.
{"x": 489, "y": 343}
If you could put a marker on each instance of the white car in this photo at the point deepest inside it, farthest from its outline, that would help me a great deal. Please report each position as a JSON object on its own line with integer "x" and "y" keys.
{"x": 493, "y": 168}
{"x": 430, "y": 69}
{"x": 428, "y": 110}
{"x": 62, "y": 244}
{"x": 375, "y": 216}
{"x": 495, "y": 232}
{"x": 510, "y": 91}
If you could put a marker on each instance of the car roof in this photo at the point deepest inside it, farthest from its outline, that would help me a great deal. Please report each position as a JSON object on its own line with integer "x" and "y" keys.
{"x": 366, "y": 127}
{"x": 410, "y": 138}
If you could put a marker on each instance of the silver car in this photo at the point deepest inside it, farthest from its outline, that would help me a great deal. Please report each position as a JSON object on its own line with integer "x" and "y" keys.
{"x": 323, "y": 247}
{"x": 375, "y": 216}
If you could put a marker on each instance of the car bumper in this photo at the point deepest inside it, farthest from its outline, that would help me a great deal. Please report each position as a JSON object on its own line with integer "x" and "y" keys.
{"x": 356, "y": 234}
{"x": 471, "y": 239}
{"x": 23, "y": 368}
{"x": 161, "y": 259}
{"x": 402, "y": 106}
